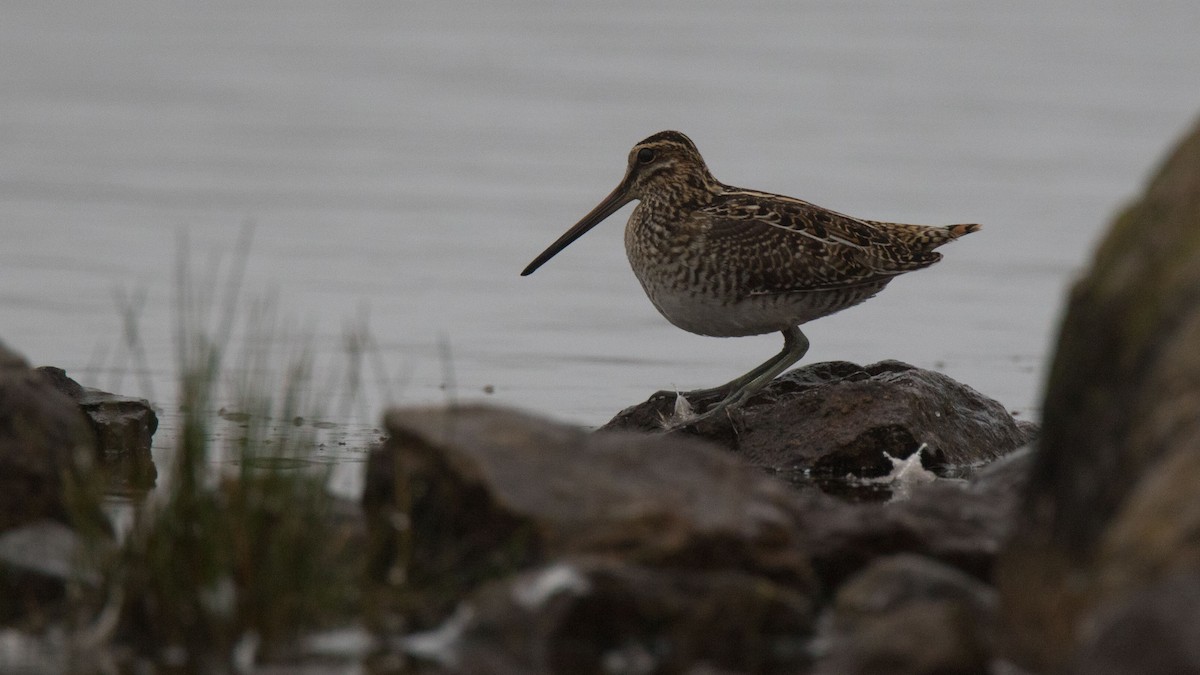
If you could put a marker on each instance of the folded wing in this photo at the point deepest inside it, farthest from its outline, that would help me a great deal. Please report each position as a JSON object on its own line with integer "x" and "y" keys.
{"x": 788, "y": 245}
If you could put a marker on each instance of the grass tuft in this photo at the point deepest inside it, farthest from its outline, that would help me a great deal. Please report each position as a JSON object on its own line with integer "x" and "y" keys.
{"x": 243, "y": 550}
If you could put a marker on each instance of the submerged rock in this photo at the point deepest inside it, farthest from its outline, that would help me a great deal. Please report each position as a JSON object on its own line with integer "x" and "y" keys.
{"x": 489, "y": 491}
{"x": 1112, "y": 508}
{"x": 838, "y": 418}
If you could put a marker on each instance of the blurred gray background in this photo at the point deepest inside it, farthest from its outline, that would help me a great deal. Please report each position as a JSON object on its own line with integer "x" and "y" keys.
{"x": 403, "y": 161}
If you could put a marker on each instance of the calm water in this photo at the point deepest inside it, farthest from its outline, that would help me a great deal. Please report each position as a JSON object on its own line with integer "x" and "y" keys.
{"x": 401, "y": 162}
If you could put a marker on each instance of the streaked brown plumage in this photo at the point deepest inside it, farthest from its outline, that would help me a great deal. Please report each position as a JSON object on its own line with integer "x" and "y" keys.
{"x": 725, "y": 261}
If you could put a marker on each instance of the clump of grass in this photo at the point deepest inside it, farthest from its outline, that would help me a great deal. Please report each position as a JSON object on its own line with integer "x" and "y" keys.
{"x": 235, "y": 558}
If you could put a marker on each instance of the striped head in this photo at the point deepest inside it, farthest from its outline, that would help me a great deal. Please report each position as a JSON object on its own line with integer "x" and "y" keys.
{"x": 664, "y": 168}
{"x": 666, "y": 162}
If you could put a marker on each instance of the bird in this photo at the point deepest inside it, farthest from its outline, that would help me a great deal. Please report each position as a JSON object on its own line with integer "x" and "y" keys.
{"x": 725, "y": 261}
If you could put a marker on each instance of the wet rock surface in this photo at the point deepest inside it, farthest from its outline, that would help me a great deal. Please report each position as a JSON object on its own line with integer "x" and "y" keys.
{"x": 960, "y": 523}
{"x": 838, "y": 418}
{"x": 1111, "y": 509}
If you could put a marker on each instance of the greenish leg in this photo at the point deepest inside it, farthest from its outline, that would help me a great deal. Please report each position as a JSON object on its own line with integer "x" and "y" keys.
{"x": 795, "y": 345}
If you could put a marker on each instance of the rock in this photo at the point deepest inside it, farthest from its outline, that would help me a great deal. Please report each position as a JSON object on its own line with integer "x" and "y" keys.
{"x": 124, "y": 428}
{"x": 643, "y": 547}
{"x": 463, "y": 496}
{"x": 1111, "y": 507}
{"x": 909, "y": 615}
{"x": 960, "y": 523}
{"x": 926, "y": 638}
{"x": 891, "y": 582}
{"x": 31, "y": 653}
{"x": 37, "y": 561}
{"x": 838, "y": 418}
{"x": 593, "y": 616}
{"x": 123, "y": 423}
{"x": 58, "y": 378}
{"x": 1165, "y": 615}
{"x": 46, "y": 446}
{"x": 490, "y": 493}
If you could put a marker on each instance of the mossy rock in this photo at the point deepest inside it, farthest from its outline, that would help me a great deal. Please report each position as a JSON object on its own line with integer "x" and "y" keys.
{"x": 1121, "y": 414}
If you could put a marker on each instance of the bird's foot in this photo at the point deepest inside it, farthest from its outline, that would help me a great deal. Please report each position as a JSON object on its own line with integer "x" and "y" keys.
{"x": 681, "y": 413}
{"x": 684, "y": 415}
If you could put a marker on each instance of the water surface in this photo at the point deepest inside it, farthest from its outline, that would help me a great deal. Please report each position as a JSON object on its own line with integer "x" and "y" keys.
{"x": 402, "y": 162}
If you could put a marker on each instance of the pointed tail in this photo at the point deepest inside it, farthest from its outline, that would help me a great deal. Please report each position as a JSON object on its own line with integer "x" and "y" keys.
{"x": 957, "y": 231}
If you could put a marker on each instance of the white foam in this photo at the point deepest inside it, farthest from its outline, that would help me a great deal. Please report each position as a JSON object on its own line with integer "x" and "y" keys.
{"x": 559, "y": 578}
{"x": 905, "y": 474}
{"x": 440, "y": 645}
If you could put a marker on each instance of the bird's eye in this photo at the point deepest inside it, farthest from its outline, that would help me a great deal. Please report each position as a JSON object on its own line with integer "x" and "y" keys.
{"x": 645, "y": 156}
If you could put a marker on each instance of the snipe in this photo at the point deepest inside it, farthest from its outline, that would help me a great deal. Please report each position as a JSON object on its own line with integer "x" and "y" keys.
{"x": 725, "y": 261}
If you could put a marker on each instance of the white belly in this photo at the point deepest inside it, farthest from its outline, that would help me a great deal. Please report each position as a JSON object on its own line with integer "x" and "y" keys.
{"x": 709, "y": 316}
{"x": 695, "y": 289}
{"x": 739, "y": 314}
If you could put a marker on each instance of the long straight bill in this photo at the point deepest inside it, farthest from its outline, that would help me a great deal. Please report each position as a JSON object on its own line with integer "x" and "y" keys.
{"x": 604, "y": 209}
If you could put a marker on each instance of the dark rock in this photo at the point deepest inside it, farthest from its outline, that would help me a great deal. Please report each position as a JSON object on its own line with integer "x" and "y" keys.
{"x": 35, "y": 652}
{"x": 46, "y": 446}
{"x": 909, "y": 615}
{"x": 838, "y": 418}
{"x": 961, "y": 523}
{"x": 123, "y": 425}
{"x": 927, "y": 638}
{"x": 592, "y": 616}
{"x": 1111, "y": 507}
{"x": 37, "y": 561}
{"x": 660, "y": 553}
{"x": 58, "y": 378}
{"x": 124, "y": 429}
{"x": 462, "y": 496}
{"x": 1155, "y": 630}
{"x": 892, "y": 582}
